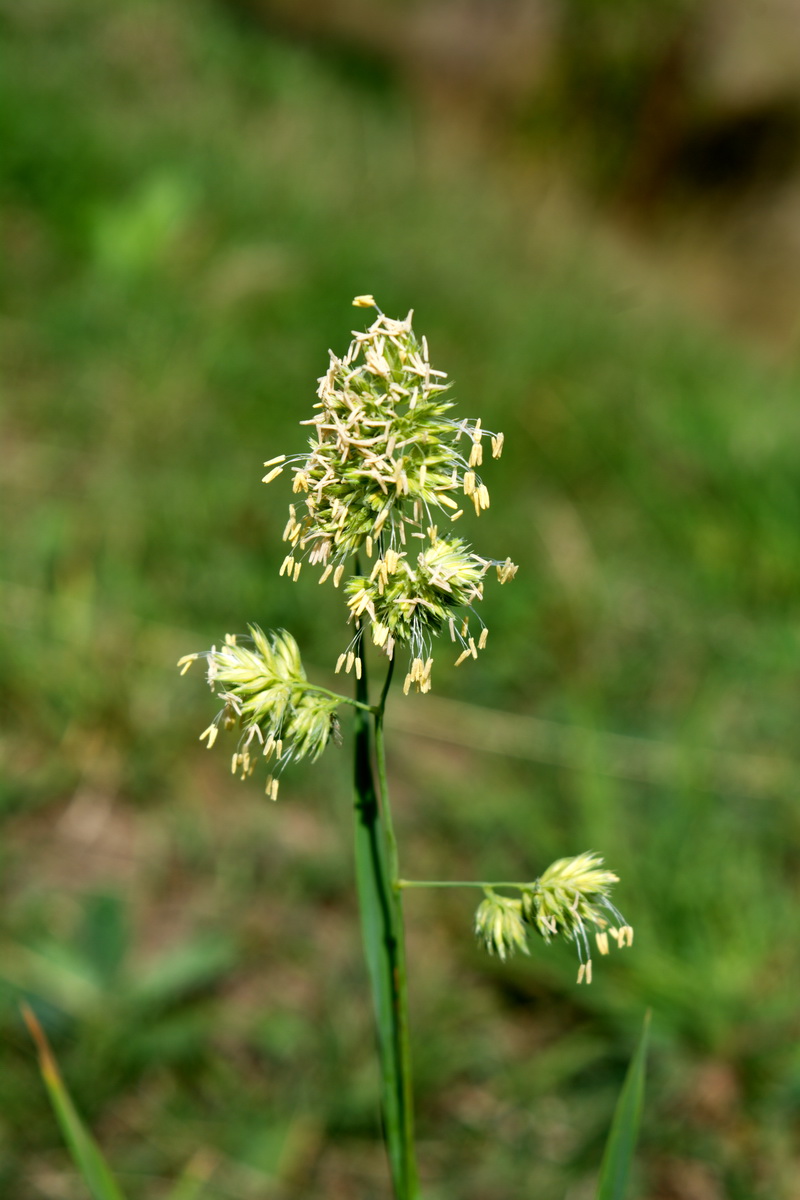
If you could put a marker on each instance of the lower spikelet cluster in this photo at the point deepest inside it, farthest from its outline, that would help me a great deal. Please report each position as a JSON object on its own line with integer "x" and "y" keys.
{"x": 264, "y": 690}
{"x": 384, "y": 457}
{"x": 410, "y": 597}
{"x": 570, "y": 900}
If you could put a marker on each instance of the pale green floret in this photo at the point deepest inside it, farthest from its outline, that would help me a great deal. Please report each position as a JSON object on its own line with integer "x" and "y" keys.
{"x": 500, "y": 926}
{"x": 265, "y": 691}
{"x": 571, "y": 895}
{"x": 571, "y": 899}
{"x": 450, "y": 567}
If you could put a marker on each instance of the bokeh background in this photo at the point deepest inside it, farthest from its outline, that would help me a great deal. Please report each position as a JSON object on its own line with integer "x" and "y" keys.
{"x": 594, "y": 210}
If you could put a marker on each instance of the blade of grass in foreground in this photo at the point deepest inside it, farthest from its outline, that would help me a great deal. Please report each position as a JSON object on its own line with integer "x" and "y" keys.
{"x": 85, "y": 1152}
{"x": 621, "y": 1142}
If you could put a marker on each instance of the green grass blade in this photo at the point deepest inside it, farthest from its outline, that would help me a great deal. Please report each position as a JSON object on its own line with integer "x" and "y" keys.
{"x": 85, "y": 1152}
{"x": 621, "y": 1142}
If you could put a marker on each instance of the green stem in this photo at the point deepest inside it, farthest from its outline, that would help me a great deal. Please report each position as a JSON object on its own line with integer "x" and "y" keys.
{"x": 400, "y": 971}
{"x": 323, "y": 691}
{"x": 382, "y": 926}
{"x": 459, "y": 883}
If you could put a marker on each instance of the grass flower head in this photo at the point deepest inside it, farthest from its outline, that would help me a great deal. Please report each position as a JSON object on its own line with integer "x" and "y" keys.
{"x": 570, "y": 900}
{"x": 386, "y": 461}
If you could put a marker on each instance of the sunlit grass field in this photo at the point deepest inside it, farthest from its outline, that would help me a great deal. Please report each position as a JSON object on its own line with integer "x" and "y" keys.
{"x": 188, "y": 207}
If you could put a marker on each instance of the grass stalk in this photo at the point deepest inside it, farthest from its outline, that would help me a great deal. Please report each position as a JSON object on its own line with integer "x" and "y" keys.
{"x": 382, "y": 925}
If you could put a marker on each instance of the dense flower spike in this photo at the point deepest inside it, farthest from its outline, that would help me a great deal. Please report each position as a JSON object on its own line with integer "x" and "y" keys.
{"x": 384, "y": 457}
{"x": 265, "y": 691}
{"x": 571, "y": 900}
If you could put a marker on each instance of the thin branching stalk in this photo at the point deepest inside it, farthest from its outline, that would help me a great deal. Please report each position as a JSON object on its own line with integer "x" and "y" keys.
{"x": 403, "y": 884}
{"x": 322, "y": 691}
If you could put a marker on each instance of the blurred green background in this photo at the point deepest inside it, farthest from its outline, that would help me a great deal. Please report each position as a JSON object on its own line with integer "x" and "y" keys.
{"x": 590, "y": 209}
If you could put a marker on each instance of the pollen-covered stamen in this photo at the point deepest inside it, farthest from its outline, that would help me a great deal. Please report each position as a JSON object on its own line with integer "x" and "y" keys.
{"x": 419, "y": 675}
{"x": 271, "y": 788}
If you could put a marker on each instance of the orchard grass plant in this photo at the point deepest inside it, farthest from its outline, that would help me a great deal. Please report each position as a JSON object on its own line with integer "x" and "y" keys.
{"x": 389, "y": 472}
